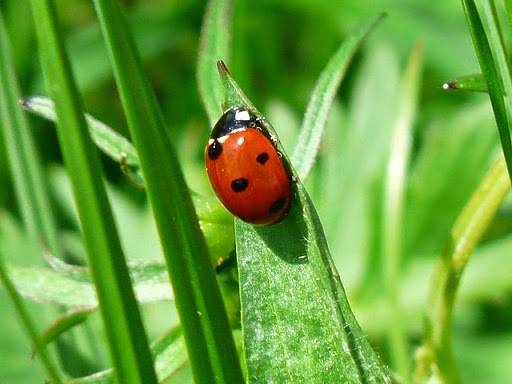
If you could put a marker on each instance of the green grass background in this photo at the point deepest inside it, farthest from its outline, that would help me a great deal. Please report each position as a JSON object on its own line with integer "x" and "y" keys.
{"x": 279, "y": 49}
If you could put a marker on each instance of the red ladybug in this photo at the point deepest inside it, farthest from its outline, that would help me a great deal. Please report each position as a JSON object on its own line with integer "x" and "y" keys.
{"x": 246, "y": 170}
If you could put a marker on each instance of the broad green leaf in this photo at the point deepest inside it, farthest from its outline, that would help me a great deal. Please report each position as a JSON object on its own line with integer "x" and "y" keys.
{"x": 296, "y": 321}
{"x": 315, "y": 118}
{"x": 469, "y": 83}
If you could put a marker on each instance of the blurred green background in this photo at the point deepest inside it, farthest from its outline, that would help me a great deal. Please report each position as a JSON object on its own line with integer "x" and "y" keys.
{"x": 279, "y": 49}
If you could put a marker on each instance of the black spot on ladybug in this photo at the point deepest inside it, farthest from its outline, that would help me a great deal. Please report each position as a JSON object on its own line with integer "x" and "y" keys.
{"x": 277, "y": 205}
{"x": 262, "y": 158}
{"x": 239, "y": 185}
{"x": 214, "y": 150}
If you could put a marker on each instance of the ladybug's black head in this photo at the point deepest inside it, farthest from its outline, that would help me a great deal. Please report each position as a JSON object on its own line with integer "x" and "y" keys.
{"x": 234, "y": 118}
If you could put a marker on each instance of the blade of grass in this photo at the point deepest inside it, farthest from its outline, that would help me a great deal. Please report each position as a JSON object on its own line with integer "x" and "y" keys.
{"x": 215, "y": 41}
{"x": 393, "y": 206}
{"x": 490, "y": 72}
{"x": 435, "y": 360}
{"x": 211, "y": 349}
{"x": 296, "y": 321}
{"x": 31, "y": 189}
{"x": 317, "y": 111}
{"x": 28, "y": 324}
{"x": 29, "y": 180}
{"x": 126, "y": 337}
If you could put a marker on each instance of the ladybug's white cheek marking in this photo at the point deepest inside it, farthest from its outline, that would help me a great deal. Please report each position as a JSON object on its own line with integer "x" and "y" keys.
{"x": 242, "y": 115}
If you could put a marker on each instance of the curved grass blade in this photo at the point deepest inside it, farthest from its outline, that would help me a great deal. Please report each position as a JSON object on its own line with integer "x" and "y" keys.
{"x": 215, "y": 41}
{"x": 313, "y": 126}
{"x": 108, "y": 141}
{"x": 296, "y": 321}
{"x": 211, "y": 349}
{"x": 123, "y": 324}
{"x": 469, "y": 83}
{"x": 64, "y": 323}
{"x": 436, "y": 361}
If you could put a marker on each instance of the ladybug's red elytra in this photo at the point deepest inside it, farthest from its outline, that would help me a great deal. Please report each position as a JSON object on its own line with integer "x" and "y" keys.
{"x": 246, "y": 170}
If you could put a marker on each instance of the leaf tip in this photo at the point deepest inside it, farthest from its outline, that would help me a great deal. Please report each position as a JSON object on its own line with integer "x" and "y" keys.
{"x": 221, "y": 66}
{"x": 25, "y": 102}
{"x": 449, "y": 85}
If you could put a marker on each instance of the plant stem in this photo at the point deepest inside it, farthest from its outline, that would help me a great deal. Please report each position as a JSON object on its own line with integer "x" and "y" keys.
{"x": 465, "y": 235}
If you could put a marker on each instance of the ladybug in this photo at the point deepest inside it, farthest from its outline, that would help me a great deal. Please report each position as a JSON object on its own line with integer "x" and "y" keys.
{"x": 246, "y": 170}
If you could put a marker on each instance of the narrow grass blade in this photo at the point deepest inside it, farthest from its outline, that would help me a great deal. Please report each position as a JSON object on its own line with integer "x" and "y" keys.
{"x": 492, "y": 77}
{"x": 123, "y": 324}
{"x": 469, "y": 83}
{"x": 211, "y": 349}
{"x": 215, "y": 41}
{"x": 393, "y": 208}
{"x": 322, "y": 98}
{"x": 28, "y": 324}
{"x": 435, "y": 360}
{"x": 296, "y": 321}
{"x": 29, "y": 180}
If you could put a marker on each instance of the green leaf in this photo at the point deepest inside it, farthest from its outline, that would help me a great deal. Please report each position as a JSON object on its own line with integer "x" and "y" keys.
{"x": 205, "y": 325}
{"x": 31, "y": 189}
{"x": 393, "y": 203}
{"x": 296, "y": 321}
{"x": 445, "y": 147}
{"x": 169, "y": 353}
{"x": 216, "y": 223}
{"x": 215, "y": 41}
{"x": 436, "y": 361}
{"x": 470, "y": 83}
{"x": 29, "y": 180}
{"x": 125, "y": 333}
{"x": 109, "y": 141}
{"x": 63, "y": 324}
{"x": 496, "y": 85}
{"x": 47, "y": 286}
{"x": 322, "y": 98}
{"x": 71, "y": 286}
